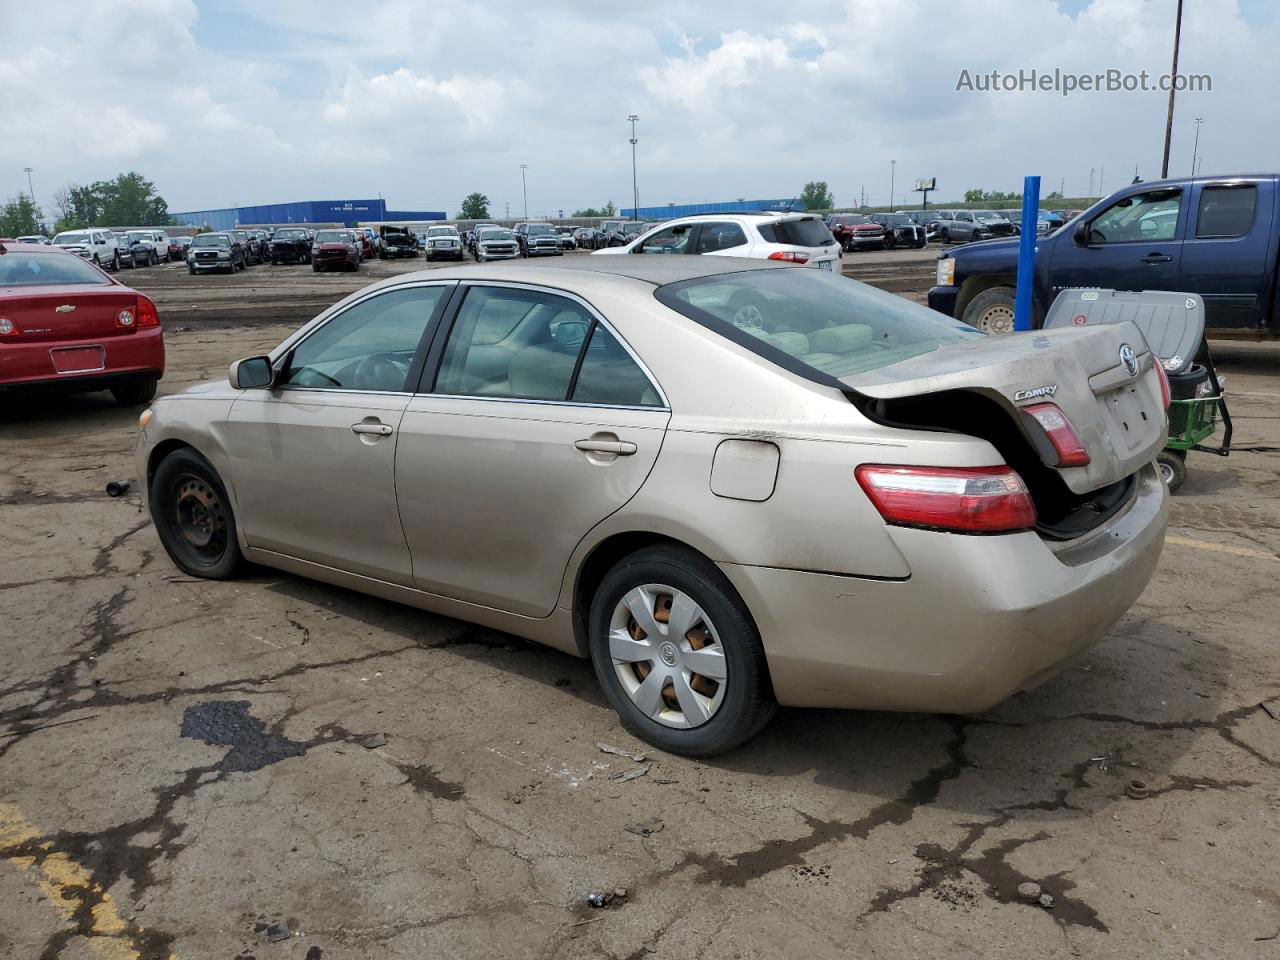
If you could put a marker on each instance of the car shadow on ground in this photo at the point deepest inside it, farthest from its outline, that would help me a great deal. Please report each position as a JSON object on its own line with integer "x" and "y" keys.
{"x": 1093, "y": 727}
{"x": 51, "y": 408}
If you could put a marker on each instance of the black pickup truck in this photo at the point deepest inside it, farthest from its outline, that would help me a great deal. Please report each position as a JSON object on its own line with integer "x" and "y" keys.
{"x": 1215, "y": 236}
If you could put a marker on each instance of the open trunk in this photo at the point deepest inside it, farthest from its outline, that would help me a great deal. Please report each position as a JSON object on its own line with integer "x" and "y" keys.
{"x": 1101, "y": 378}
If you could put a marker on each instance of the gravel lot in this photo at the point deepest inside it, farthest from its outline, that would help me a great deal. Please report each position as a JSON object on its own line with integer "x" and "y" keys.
{"x": 187, "y": 766}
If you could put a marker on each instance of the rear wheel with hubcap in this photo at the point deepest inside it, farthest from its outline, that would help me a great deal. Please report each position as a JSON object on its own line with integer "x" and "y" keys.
{"x": 193, "y": 517}
{"x": 677, "y": 653}
{"x": 1172, "y": 465}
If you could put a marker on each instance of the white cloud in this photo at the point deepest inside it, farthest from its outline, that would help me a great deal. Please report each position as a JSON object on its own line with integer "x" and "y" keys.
{"x": 424, "y": 103}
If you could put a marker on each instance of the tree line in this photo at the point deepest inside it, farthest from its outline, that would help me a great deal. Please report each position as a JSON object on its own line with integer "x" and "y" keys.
{"x": 128, "y": 199}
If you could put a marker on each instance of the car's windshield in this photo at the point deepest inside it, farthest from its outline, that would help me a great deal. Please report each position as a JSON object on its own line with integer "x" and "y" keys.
{"x": 897, "y": 220}
{"x": 30, "y": 270}
{"x": 540, "y": 230}
{"x": 211, "y": 240}
{"x": 333, "y": 236}
{"x": 990, "y": 215}
{"x": 441, "y": 232}
{"x": 495, "y": 234}
{"x": 635, "y": 228}
{"x": 817, "y": 324}
{"x": 291, "y": 235}
{"x": 71, "y": 238}
{"x": 853, "y": 219}
{"x": 139, "y": 235}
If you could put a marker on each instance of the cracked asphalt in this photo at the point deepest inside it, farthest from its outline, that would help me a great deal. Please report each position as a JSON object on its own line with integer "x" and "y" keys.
{"x": 188, "y": 766}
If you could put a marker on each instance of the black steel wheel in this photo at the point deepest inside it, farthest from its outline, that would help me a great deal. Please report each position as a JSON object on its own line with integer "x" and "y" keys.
{"x": 192, "y": 514}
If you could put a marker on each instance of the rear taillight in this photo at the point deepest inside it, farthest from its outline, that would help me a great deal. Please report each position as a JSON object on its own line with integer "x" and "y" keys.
{"x": 790, "y": 256}
{"x": 147, "y": 315}
{"x": 961, "y": 499}
{"x": 1164, "y": 386}
{"x": 1063, "y": 436}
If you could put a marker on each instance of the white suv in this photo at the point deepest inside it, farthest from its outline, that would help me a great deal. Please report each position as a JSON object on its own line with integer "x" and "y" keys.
{"x": 791, "y": 237}
{"x": 92, "y": 243}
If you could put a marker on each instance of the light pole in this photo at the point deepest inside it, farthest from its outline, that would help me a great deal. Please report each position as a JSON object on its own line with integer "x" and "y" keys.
{"x": 635, "y": 190}
{"x": 30, "y": 189}
{"x": 1196, "y": 146}
{"x": 893, "y": 169}
{"x": 524, "y": 188}
{"x": 1173, "y": 85}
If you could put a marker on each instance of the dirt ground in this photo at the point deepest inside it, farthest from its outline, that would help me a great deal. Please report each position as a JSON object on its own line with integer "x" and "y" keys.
{"x": 190, "y": 769}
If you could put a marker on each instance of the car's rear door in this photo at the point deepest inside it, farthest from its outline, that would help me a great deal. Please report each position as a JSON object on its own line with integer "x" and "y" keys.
{"x": 313, "y": 458}
{"x": 537, "y": 423}
{"x": 1227, "y": 254}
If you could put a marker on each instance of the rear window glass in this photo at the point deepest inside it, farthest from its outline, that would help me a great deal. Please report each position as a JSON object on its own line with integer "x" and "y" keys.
{"x": 26, "y": 270}
{"x": 813, "y": 323}
{"x": 1226, "y": 211}
{"x": 799, "y": 233}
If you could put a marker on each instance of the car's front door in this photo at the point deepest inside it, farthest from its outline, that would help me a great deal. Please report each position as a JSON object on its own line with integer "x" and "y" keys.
{"x": 1132, "y": 245}
{"x": 312, "y": 459}
{"x": 540, "y": 423}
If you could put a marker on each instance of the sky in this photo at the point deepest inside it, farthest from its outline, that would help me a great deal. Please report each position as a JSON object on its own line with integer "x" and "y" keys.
{"x": 222, "y": 102}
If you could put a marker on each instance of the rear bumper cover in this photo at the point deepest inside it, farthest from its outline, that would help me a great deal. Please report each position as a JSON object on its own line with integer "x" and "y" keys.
{"x": 140, "y": 353}
{"x": 979, "y": 619}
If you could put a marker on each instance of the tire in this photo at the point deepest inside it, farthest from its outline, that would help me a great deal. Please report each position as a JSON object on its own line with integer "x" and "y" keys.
{"x": 889, "y": 241}
{"x": 115, "y": 260}
{"x": 193, "y": 516}
{"x": 96, "y": 262}
{"x": 921, "y": 244}
{"x": 154, "y": 259}
{"x": 134, "y": 393}
{"x": 1172, "y": 465}
{"x": 737, "y": 707}
{"x": 1184, "y": 386}
{"x": 315, "y": 267}
{"x": 991, "y": 311}
{"x": 191, "y": 271}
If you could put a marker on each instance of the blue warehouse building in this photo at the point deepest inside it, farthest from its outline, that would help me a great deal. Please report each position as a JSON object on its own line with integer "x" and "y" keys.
{"x": 669, "y": 210}
{"x": 347, "y": 212}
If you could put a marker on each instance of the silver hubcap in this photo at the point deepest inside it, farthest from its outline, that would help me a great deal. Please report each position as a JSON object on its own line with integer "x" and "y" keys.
{"x": 1166, "y": 472}
{"x": 997, "y": 319}
{"x": 667, "y": 656}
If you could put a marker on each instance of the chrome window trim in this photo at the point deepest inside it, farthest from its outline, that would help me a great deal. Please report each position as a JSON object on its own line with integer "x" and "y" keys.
{"x": 598, "y": 317}
{"x": 290, "y": 343}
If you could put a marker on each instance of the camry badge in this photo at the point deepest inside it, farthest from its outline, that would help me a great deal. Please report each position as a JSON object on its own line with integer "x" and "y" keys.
{"x": 65, "y": 308}
{"x": 1129, "y": 359}
{"x": 1045, "y": 391}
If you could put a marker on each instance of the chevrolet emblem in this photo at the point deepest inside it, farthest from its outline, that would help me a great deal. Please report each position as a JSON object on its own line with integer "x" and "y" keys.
{"x": 65, "y": 308}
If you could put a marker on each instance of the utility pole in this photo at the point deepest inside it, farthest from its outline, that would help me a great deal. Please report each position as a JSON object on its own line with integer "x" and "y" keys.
{"x": 1173, "y": 83}
{"x": 893, "y": 169}
{"x": 30, "y": 189}
{"x": 1062, "y": 187}
{"x": 508, "y": 206}
{"x": 635, "y": 190}
{"x": 524, "y": 188}
{"x": 1194, "y": 146}
{"x": 1091, "y": 181}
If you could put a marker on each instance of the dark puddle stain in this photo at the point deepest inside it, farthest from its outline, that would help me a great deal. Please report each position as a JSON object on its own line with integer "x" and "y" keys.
{"x": 425, "y": 780}
{"x": 102, "y": 560}
{"x": 228, "y": 723}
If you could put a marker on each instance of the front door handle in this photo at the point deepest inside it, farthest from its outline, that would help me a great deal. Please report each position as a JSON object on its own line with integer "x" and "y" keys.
{"x": 1156, "y": 258}
{"x": 619, "y": 448}
{"x": 376, "y": 429}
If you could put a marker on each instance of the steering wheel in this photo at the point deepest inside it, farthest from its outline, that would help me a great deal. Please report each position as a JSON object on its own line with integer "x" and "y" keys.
{"x": 380, "y": 371}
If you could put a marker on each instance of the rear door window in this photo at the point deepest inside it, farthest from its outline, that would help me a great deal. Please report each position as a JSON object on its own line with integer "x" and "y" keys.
{"x": 715, "y": 237}
{"x": 1226, "y": 211}
{"x": 609, "y": 375}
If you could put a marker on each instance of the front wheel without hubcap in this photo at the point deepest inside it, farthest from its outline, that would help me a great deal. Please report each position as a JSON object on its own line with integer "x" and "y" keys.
{"x": 678, "y": 655}
{"x": 193, "y": 517}
{"x": 991, "y": 311}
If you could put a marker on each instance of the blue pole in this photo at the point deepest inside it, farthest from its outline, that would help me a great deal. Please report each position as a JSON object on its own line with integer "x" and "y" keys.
{"x": 1027, "y": 253}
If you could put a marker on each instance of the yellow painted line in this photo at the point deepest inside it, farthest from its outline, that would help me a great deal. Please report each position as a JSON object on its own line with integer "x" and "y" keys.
{"x": 1219, "y": 547}
{"x": 65, "y": 884}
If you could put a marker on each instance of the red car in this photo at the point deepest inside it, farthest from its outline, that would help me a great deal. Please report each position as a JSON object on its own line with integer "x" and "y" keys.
{"x": 855, "y": 231}
{"x": 334, "y": 249}
{"x": 67, "y": 324}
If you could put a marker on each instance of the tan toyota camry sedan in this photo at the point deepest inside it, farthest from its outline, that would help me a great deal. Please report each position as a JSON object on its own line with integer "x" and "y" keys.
{"x": 729, "y": 483}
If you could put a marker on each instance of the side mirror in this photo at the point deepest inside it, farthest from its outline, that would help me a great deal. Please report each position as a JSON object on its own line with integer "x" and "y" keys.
{"x": 251, "y": 373}
{"x": 1081, "y": 235}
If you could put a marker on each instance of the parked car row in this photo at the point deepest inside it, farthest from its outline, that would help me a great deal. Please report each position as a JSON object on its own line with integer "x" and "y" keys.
{"x": 111, "y": 250}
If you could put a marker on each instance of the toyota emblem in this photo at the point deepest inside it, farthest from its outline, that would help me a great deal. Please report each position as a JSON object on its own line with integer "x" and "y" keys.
{"x": 1129, "y": 359}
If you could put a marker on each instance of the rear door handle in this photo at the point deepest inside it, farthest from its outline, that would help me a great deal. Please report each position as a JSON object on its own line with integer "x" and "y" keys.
{"x": 1156, "y": 258}
{"x": 620, "y": 448}
{"x": 377, "y": 429}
